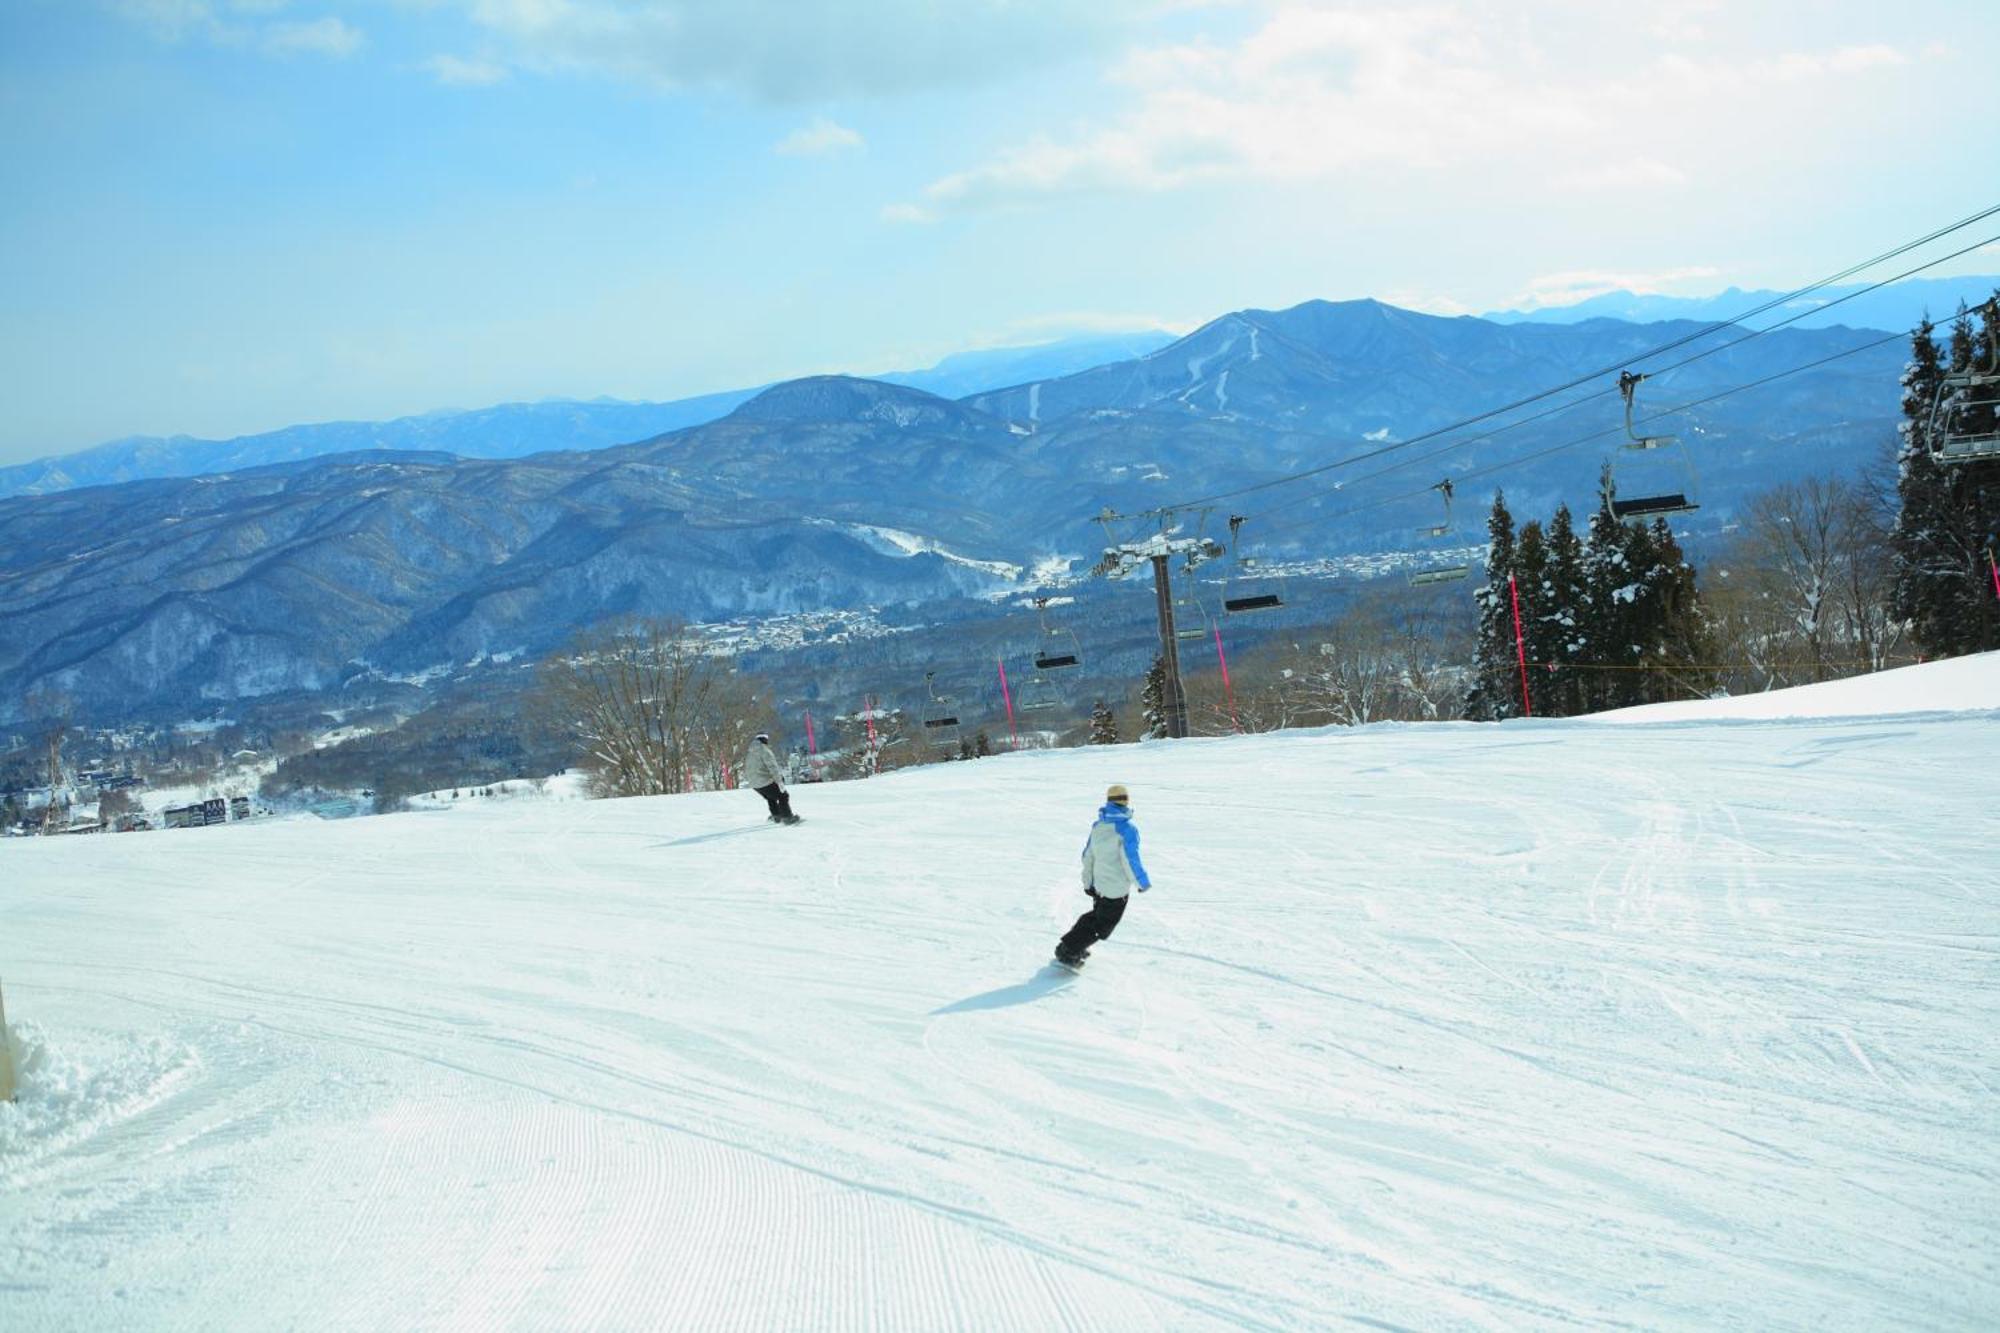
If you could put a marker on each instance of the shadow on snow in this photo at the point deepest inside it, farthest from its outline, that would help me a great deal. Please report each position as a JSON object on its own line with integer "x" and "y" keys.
{"x": 1050, "y": 978}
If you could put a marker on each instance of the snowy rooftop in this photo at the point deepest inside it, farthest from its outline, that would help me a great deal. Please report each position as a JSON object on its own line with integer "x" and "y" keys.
{"x": 1527, "y": 1025}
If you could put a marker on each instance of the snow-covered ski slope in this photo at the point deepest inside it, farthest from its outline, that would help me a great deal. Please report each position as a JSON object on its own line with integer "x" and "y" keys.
{"x": 1682, "y": 1025}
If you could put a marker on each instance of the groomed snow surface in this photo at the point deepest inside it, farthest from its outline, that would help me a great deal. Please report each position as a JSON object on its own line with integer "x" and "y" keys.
{"x": 1661, "y": 1025}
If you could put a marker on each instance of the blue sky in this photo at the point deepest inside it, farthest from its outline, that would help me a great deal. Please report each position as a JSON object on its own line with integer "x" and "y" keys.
{"x": 223, "y": 216}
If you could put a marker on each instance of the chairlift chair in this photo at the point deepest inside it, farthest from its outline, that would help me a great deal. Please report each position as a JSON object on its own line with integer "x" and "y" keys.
{"x": 1661, "y": 499}
{"x": 1442, "y": 567}
{"x": 1964, "y": 424}
{"x": 940, "y": 715}
{"x": 1190, "y": 616}
{"x": 1038, "y": 695}
{"x": 1250, "y": 593}
{"x": 1059, "y": 647}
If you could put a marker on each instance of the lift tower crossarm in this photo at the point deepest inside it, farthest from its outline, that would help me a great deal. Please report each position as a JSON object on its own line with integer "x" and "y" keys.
{"x": 1157, "y": 549}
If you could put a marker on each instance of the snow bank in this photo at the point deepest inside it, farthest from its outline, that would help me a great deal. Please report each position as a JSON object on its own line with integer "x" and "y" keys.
{"x": 63, "y": 1098}
{"x": 1956, "y": 685}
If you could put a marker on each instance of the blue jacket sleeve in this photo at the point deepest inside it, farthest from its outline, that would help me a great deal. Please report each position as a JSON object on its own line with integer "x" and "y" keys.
{"x": 1129, "y": 833}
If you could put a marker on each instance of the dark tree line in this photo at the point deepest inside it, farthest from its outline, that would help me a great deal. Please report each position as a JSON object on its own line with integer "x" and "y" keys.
{"x": 1948, "y": 525}
{"x": 1608, "y": 619}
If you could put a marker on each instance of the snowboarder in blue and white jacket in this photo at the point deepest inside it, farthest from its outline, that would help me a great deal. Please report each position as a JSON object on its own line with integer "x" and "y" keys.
{"x": 1111, "y": 870}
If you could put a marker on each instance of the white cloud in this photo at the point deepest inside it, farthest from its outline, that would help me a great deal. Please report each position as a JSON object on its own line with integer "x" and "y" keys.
{"x": 907, "y": 213}
{"x": 1425, "y": 300}
{"x": 459, "y": 72}
{"x": 1560, "y": 289}
{"x": 784, "y": 51}
{"x": 1632, "y": 173}
{"x": 241, "y": 24}
{"x": 1315, "y": 93}
{"x": 821, "y": 137}
{"x": 325, "y": 37}
{"x": 171, "y": 19}
{"x": 1063, "y": 323}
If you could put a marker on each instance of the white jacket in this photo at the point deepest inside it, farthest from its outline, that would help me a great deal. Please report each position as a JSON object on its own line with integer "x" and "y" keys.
{"x": 1111, "y": 862}
{"x": 760, "y": 766}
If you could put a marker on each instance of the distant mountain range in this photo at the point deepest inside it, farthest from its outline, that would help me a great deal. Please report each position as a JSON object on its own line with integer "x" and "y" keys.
{"x": 516, "y": 430}
{"x": 835, "y": 492}
{"x": 1898, "y": 306}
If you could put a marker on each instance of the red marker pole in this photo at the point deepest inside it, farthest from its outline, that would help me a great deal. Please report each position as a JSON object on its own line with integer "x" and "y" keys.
{"x": 1228, "y": 690}
{"x": 1013, "y": 740}
{"x": 812, "y": 745}
{"x": 1995, "y": 567}
{"x": 1520, "y": 648}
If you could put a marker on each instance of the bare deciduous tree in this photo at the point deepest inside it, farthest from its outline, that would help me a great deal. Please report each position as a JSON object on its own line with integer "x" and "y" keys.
{"x": 1388, "y": 659}
{"x": 1806, "y": 592}
{"x": 650, "y": 708}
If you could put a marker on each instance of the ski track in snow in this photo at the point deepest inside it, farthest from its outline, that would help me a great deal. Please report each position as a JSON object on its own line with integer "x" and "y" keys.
{"x": 1527, "y": 1026}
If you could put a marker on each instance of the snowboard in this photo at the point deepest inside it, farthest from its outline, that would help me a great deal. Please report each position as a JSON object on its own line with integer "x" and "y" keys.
{"x": 1071, "y": 968}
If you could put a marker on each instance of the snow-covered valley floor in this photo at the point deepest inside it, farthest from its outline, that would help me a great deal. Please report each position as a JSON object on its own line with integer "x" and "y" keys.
{"x": 1635, "y": 1024}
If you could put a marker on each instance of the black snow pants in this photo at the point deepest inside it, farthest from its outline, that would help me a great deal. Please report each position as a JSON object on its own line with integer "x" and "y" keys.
{"x": 1094, "y": 925}
{"x": 778, "y": 799}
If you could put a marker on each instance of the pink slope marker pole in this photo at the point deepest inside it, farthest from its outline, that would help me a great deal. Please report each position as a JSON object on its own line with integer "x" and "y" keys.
{"x": 1520, "y": 648}
{"x": 1228, "y": 690}
{"x": 812, "y": 745}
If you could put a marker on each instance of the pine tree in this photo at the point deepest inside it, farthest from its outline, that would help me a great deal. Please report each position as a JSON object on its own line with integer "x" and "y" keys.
{"x": 1531, "y": 587}
{"x": 1563, "y": 632}
{"x": 1495, "y": 692}
{"x": 982, "y": 745}
{"x": 1153, "y": 699}
{"x": 1103, "y": 725}
{"x": 1949, "y": 512}
{"x": 1684, "y": 633}
{"x": 1610, "y": 586}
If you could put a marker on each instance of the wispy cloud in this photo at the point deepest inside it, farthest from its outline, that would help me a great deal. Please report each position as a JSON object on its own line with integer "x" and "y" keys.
{"x": 243, "y": 24}
{"x": 817, "y": 139}
{"x": 1631, "y": 173}
{"x": 460, "y": 72}
{"x": 1559, "y": 289}
{"x": 325, "y": 37}
{"x": 1063, "y": 323}
{"x": 781, "y": 51}
{"x": 1317, "y": 93}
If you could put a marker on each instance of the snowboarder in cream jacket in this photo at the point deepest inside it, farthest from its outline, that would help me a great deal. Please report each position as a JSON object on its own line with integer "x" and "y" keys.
{"x": 763, "y": 774}
{"x": 1111, "y": 870}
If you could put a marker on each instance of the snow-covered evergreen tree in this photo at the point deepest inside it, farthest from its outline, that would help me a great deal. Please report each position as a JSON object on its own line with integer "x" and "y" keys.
{"x": 1531, "y": 586}
{"x": 1495, "y": 689}
{"x": 1153, "y": 700}
{"x": 1612, "y": 587}
{"x": 1948, "y": 518}
{"x": 1103, "y": 724}
{"x": 1562, "y": 634}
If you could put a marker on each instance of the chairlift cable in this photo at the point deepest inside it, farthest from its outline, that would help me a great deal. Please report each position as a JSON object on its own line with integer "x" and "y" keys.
{"x": 1579, "y": 441}
{"x": 1668, "y": 346}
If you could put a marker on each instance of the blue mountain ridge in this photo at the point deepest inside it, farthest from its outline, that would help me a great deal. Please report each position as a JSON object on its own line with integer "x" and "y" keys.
{"x": 835, "y": 493}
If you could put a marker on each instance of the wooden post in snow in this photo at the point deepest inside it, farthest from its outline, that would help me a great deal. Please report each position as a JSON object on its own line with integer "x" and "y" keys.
{"x": 6, "y": 1056}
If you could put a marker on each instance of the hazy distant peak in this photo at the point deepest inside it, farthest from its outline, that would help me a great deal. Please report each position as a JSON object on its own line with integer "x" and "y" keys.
{"x": 846, "y": 398}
